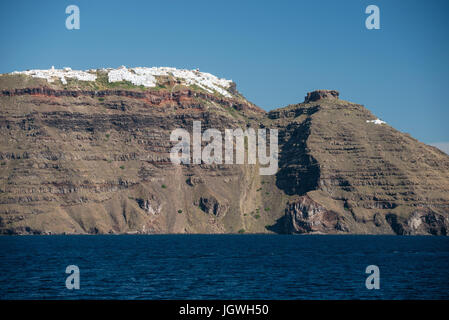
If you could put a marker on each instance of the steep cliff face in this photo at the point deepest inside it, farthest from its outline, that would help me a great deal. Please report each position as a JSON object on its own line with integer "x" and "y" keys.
{"x": 89, "y": 157}
{"x": 79, "y": 160}
{"x": 362, "y": 174}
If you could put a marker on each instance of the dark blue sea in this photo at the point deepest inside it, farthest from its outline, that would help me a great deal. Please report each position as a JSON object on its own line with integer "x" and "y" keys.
{"x": 224, "y": 267}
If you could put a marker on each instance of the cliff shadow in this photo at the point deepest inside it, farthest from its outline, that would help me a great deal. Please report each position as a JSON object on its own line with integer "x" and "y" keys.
{"x": 299, "y": 171}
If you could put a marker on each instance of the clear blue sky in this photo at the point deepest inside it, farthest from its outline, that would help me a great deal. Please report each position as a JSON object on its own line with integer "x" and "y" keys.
{"x": 275, "y": 51}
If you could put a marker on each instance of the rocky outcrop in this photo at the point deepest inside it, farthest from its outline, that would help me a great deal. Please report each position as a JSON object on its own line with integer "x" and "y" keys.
{"x": 307, "y": 216}
{"x": 321, "y": 94}
{"x": 211, "y": 205}
{"x": 193, "y": 181}
{"x": 151, "y": 205}
{"x": 374, "y": 177}
{"x": 420, "y": 222}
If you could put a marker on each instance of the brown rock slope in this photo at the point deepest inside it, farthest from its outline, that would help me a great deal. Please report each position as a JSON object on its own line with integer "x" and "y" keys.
{"x": 355, "y": 176}
{"x": 80, "y": 160}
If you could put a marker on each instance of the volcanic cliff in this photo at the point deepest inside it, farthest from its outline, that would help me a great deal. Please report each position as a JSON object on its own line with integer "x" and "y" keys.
{"x": 89, "y": 152}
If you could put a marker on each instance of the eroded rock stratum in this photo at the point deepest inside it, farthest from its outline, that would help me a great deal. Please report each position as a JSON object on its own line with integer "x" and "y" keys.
{"x": 93, "y": 157}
